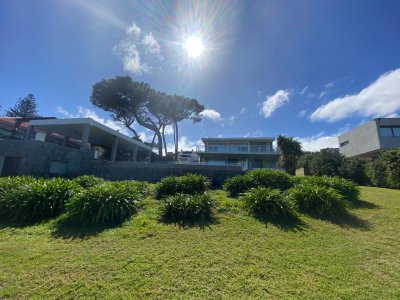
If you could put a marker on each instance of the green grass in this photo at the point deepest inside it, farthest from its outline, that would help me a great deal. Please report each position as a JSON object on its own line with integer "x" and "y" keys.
{"x": 233, "y": 256}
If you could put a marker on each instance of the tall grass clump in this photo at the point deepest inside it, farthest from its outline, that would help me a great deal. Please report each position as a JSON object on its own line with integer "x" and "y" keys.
{"x": 35, "y": 200}
{"x": 86, "y": 181}
{"x": 109, "y": 202}
{"x": 183, "y": 207}
{"x": 317, "y": 200}
{"x": 267, "y": 178}
{"x": 190, "y": 184}
{"x": 268, "y": 203}
{"x": 347, "y": 188}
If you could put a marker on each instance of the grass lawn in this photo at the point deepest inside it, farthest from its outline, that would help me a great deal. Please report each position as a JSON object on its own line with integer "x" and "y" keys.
{"x": 234, "y": 256}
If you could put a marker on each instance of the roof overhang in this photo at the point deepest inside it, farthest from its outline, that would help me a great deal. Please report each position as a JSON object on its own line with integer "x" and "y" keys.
{"x": 239, "y": 139}
{"x": 99, "y": 134}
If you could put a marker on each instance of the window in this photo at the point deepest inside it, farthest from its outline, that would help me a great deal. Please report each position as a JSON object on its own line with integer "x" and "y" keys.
{"x": 344, "y": 143}
{"x": 390, "y": 131}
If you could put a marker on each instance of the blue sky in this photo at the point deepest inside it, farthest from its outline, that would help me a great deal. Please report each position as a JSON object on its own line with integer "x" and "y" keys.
{"x": 307, "y": 69}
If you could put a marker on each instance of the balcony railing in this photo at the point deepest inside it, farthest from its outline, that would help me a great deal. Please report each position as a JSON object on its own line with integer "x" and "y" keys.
{"x": 251, "y": 149}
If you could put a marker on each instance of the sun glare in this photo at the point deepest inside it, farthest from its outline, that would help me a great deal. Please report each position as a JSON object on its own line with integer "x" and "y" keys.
{"x": 194, "y": 46}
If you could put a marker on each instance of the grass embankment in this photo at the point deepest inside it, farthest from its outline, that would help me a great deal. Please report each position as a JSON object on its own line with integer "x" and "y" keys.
{"x": 233, "y": 256}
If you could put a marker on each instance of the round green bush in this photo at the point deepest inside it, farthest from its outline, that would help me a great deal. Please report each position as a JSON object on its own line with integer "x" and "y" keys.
{"x": 319, "y": 200}
{"x": 86, "y": 181}
{"x": 37, "y": 199}
{"x": 190, "y": 184}
{"x": 347, "y": 188}
{"x": 238, "y": 184}
{"x": 265, "y": 202}
{"x": 187, "y": 207}
{"x": 109, "y": 202}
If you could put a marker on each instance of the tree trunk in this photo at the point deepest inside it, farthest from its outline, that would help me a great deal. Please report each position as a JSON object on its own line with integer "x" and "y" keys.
{"x": 163, "y": 136}
{"x": 176, "y": 140}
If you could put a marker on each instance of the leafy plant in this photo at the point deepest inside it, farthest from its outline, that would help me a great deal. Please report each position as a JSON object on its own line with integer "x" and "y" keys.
{"x": 190, "y": 184}
{"x": 109, "y": 202}
{"x": 347, "y": 188}
{"x": 265, "y": 202}
{"x": 86, "y": 181}
{"x": 187, "y": 207}
{"x": 267, "y": 178}
{"x": 317, "y": 200}
{"x": 36, "y": 199}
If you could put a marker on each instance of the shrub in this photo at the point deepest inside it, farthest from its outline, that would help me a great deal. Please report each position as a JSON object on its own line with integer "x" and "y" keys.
{"x": 238, "y": 184}
{"x": 190, "y": 184}
{"x": 109, "y": 202}
{"x": 384, "y": 171}
{"x": 187, "y": 207}
{"x": 265, "y": 202}
{"x": 86, "y": 181}
{"x": 348, "y": 189}
{"x": 37, "y": 199}
{"x": 318, "y": 200}
{"x": 267, "y": 178}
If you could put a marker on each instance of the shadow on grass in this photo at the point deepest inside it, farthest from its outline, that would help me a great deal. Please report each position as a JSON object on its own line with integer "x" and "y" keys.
{"x": 201, "y": 223}
{"x": 345, "y": 220}
{"x": 364, "y": 204}
{"x": 70, "y": 229}
{"x": 285, "y": 223}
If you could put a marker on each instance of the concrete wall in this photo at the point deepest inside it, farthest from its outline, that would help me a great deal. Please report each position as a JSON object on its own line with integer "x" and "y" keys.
{"x": 156, "y": 171}
{"x": 361, "y": 140}
{"x": 35, "y": 157}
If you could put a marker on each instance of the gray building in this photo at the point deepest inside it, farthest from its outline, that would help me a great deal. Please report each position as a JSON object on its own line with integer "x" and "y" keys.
{"x": 249, "y": 153}
{"x": 370, "y": 138}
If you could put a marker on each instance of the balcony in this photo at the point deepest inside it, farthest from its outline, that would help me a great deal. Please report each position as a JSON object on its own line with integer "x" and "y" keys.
{"x": 240, "y": 149}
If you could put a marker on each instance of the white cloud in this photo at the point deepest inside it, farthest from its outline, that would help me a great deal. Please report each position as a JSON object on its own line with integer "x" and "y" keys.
{"x": 302, "y": 113}
{"x": 318, "y": 142}
{"x": 84, "y": 112}
{"x": 379, "y": 99}
{"x": 211, "y": 114}
{"x": 169, "y": 130}
{"x": 243, "y": 110}
{"x": 138, "y": 55}
{"x": 304, "y": 90}
{"x": 272, "y": 103}
{"x": 330, "y": 85}
{"x": 323, "y": 94}
{"x": 185, "y": 144}
{"x": 231, "y": 120}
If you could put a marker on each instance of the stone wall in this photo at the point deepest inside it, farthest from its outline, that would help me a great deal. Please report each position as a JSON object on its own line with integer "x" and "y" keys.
{"x": 156, "y": 171}
{"x": 36, "y": 157}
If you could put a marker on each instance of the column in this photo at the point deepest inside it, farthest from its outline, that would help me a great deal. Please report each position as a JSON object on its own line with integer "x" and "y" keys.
{"x": 114, "y": 149}
{"x": 28, "y": 132}
{"x": 134, "y": 153}
{"x": 85, "y": 136}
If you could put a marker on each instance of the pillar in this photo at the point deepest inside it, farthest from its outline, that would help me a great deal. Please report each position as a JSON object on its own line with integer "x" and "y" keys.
{"x": 28, "y": 132}
{"x": 134, "y": 153}
{"x": 85, "y": 136}
{"x": 114, "y": 149}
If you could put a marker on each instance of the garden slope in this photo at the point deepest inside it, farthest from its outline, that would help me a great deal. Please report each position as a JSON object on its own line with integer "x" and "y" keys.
{"x": 236, "y": 256}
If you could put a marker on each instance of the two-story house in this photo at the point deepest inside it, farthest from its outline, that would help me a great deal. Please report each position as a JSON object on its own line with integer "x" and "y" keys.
{"x": 249, "y": 153}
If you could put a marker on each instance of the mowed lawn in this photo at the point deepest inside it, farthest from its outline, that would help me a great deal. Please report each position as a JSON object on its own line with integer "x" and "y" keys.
{"x": 233, "y": 257}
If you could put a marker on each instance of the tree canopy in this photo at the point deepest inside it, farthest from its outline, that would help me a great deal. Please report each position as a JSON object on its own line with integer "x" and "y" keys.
{"x": 131, "y": 102}
{"x": 25, "y": 108}
{"x": 290, "y": 151}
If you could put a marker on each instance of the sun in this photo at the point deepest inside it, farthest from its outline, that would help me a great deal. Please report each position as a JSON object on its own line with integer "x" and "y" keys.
{"x": 194, "y": 46}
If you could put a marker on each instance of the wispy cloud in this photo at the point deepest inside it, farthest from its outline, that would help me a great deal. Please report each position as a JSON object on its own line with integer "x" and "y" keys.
{"x": 379, "y": 99}
{"x": 243, "y": 110}
{"x": 138, "y": 54}
{"x": 330, "y": 85}
{"x": 302, "y": 113}
{"x": 304, "y": 90}
{"x": 272, "y": 103}
{"x": 322, "y": 94}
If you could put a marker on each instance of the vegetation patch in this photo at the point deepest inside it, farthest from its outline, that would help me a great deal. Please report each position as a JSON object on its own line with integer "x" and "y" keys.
{"x": 183, "y": 207}
{"x": 87, "y": 181}
{"x": 109, "y": 202}
{"x": 317, "y": 200}
{"x": 190, "y": 184}
{"x": 268, "y": 203}
{"x": 30, "y": 200}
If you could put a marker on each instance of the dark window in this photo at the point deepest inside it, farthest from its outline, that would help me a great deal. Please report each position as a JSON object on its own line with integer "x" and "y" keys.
{"x": 344, "y": 143}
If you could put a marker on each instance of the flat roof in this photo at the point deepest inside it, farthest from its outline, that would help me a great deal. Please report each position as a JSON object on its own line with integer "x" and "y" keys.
{"x": 99, "y": 134}
{"x": 239, "y": 139}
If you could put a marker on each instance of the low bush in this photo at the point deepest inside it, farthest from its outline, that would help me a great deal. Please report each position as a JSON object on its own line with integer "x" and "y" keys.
{"x": 86, "y": 181}
{"x": 347, "y": 188}
{"x": 319, "y": 200}
{"x": 34, "y": 200}
{"x": 267, "y": 178}
{"x": 187, "y": 207}
{"x": 190, "y": 184}
{"x": 109, "y": 202}
{"x": 265, "y": 202}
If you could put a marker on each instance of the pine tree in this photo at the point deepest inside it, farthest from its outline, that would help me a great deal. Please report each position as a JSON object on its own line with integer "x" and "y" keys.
{"x": 25, "y": 108}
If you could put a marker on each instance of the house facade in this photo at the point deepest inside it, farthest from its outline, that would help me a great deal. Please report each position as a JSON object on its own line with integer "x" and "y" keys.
{"x": 248, "y": 153}
{"x": 368, "y": 140}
